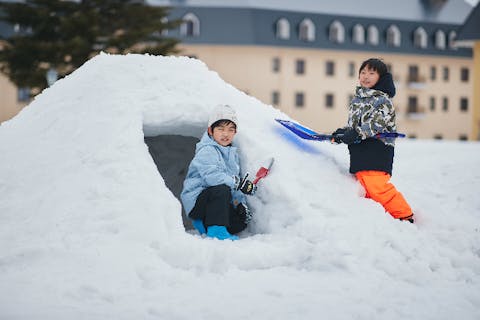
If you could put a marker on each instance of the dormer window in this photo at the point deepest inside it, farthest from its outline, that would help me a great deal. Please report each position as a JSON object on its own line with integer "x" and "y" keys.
{"x": 358, "y": 34}
{"x": 307, "y": 30}
{"x": 283, "y": 29}
{"x": 373, "y": 37}
{"x": 190, "y": 26}
{"x": 452, "y": 36}
{"x": 337, "y": 32}
{"x": 420, "y": 38}
{"x": 440, "y": 40}
{"x": 394, "y": 36}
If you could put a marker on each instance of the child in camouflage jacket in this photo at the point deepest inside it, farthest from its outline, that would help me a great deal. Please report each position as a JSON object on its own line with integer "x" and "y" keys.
{"x": 371, "y": 159}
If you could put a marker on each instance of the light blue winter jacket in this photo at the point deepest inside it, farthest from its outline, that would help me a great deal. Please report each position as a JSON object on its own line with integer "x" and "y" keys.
{"x": 212, "y": 165}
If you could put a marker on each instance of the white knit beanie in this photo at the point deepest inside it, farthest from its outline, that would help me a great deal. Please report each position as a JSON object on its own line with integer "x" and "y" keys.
{"x": 223, "y": 112}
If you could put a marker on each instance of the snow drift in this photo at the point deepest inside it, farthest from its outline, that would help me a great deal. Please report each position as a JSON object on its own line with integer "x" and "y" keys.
{"x": 89, "y": 229}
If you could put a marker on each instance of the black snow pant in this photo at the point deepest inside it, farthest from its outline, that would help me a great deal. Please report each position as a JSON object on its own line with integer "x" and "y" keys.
{"x": 214, "y": 207}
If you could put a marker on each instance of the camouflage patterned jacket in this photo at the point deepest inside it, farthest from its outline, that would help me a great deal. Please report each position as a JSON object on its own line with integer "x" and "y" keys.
{"x": 371, "y": 112}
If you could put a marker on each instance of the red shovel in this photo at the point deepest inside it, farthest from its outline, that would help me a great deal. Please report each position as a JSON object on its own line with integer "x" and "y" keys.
{"x": 263, "y": 171}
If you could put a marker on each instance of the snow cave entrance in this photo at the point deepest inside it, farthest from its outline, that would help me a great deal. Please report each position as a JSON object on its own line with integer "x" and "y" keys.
{"x": 172, "y": 155}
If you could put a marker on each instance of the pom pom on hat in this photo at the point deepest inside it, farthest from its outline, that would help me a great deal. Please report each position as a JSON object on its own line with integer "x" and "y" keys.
{"x": 222, "y": 112}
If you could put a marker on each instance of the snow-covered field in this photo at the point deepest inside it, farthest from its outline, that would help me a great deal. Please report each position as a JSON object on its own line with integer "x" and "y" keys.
{"x": 88, "y": 229}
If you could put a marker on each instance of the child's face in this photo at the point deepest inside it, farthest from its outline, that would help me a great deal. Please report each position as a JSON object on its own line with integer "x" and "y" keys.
{"x": 223, "y": 134}
{"x": 368, "y": 77}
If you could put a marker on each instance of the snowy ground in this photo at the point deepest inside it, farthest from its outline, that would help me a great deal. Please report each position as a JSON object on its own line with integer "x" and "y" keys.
{"x": 88, "y": 229}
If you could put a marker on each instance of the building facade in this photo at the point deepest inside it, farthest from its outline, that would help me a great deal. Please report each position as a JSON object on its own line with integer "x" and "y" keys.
{"x": 306, "y": 63}
{"x": 469, "y": 36}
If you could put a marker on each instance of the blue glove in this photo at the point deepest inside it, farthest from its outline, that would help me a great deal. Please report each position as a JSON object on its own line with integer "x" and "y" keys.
{"x": 198, "y": 224}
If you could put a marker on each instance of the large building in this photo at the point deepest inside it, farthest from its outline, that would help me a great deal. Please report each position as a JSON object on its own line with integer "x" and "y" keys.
{"x": 303, "y": 56}
{"x": 469, "y": 35}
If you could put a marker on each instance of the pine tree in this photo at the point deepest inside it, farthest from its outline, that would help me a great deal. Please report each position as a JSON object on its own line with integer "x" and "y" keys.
{"x": 64, "y": 34}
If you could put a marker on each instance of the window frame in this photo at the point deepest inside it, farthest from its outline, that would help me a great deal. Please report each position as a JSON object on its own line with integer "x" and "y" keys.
{"x": 190, "y": 26}
{"x": 394, "y": 36}
{"x": 306, "y": 30}
{"x": 420, "y": 38}
{"x": 358, "y": 34}
{"x": 282, "y": 29}
{"x": 373, "y": 35}
{"x": 336, "y": 32}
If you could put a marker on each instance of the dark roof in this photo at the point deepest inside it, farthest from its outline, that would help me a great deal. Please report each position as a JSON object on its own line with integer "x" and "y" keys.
{"x": 446, "y": 11}
{"x": 243, "y": 26}
{"x": 471, "y": 28}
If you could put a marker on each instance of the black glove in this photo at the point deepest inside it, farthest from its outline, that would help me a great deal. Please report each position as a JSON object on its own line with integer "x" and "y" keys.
{"x": 348, "y": 136}
{"x": 244, "y": 213}
{"x": 244, "y": 185}
{"x": 337, "y": 133}
{"x": 247, "y": 187}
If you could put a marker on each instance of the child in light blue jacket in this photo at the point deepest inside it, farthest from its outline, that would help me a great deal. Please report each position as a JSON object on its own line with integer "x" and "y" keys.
{"x": 213, "y": 194}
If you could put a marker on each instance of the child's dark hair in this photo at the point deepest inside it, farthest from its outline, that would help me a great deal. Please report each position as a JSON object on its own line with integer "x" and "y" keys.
{"x": 223, "y": 122}
{"x": 374, "y": 64}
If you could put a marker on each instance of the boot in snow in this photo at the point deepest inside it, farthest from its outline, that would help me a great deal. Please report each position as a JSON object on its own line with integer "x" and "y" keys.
{"x": 198, "y": 224}
{"x": 220, "y": 232}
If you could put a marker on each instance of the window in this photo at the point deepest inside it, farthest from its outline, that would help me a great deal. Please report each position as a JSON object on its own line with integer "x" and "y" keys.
{"x": 300, "y": 66}
{"x": 275, "y": 98}
{"x": 420, "y": 38}
{"x": 393, "y": 36}
{"x": 452, "y": 36}
{"x": 464, "y": 74}
{"x": 413, "y": 74}
{"x": 336, "y": 32}
{"x": 438, "y": 137}
{"x": 190, "y": 26}
{"x": 446, "y": 73}
{"x": 464, "y": 104}
{"x": 463, "y": 137}
{"x": 276, "y": 64}
{"x": 432, "y": 103}
{"x": 373, "y": 35}
{"x": 433, "y": 73}
{"x": 283, "y": 29}
{"x": 412, "y": 104}
{"x": 445, "y": 104}
{"x": 330, "y": 68}
{"x": 329, "y": 100}
{"x": 307, "y": 30}
{"x": 440, "y": 40}
{"x": 358, "y": 34}
{"x": 351, "y": 69}
{"x": 299, "y": 99}
{"x": 23, "y": 94}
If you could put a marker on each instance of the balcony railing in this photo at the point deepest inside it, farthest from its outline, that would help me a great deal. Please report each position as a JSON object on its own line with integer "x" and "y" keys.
{"x": 416, "y": 112}
{"x": 416, "y": 82}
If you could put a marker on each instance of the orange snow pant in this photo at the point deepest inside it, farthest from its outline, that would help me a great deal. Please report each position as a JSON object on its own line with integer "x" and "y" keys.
{"x": 378, "y": 188}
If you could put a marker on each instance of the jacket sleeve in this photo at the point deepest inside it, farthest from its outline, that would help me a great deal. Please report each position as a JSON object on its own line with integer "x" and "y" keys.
{"x": 210, "y": 168}
{"x": 381, "y": 118}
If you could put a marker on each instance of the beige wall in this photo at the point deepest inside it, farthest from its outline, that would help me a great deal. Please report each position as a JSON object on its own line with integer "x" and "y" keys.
{"x": 9, "y": 106}
{"x": 476, "y": 98}
{"x": 249, "y": 68}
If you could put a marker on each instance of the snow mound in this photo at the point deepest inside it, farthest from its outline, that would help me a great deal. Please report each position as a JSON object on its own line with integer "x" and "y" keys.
{"x": 89, "y": 230}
